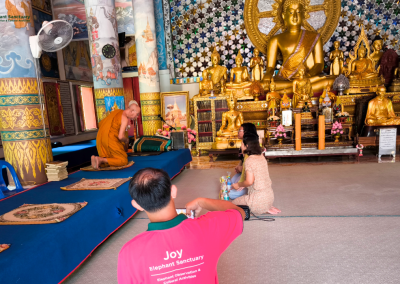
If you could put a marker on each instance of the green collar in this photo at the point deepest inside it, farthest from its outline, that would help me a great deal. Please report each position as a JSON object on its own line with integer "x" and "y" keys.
{"x": 167, "y": 224}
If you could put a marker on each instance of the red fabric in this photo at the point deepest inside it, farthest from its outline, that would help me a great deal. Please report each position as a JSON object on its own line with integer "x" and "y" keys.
{"x": 193, "y": 247}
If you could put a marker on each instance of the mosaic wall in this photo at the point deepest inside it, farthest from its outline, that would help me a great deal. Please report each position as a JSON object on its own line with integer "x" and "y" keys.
{"x": 197, "y": 25}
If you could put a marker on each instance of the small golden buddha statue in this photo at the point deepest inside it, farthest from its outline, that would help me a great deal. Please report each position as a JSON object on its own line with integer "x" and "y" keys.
{"x": 257, "y": 90}
{"x": 362, "y": 68}
{"x": 395, "y": 86}
{"x": 302, "y": 89}
{"x": 273, "y": 99}
{"x": 380, "y": 110}
{"x": 285, "y": 102}
{"x": 297, "y": 46}
{"x": 327, "y": 92}
{"x": 256, "y": 66}
{"x": 378, "y": 52}
{"x": 240, "y": 84}
{"x": 336, "y": 57}
{"x": 227, "y": 136}
{"x": 206, "y": 86}
{"x": 218, "y": 73}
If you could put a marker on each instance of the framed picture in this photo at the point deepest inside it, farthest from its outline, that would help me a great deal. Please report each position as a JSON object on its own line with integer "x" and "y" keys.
{"x": 175, "y": 108}
{"x": 86, "y": 107}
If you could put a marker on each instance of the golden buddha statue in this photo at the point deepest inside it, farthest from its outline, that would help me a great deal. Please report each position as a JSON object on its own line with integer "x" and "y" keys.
{"x": 330, "y": 94}
{"x": 206, "y": 86}
{"x": 362, "y": 68}
{"x": 240, "y": 84}
{"x": 336, "y": 57}
{"x": 256, "y": 66}
{"x": 285, "y": 102}
{"x": 302, "y": 89}
{"x": 257, "y": 90}
{"x": 227, "y": 136}
{"x": 378, "y": 52}
{"x": 218, "y": 73}
{"x": 297, "y": 46}
{"x": 395, "y": 86}
{"x": 380, "y": 110}
{"x": 273, "y": 99}
{"x": 361, "y": 71}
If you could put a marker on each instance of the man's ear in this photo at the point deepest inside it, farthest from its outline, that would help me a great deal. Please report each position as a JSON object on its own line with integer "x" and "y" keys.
{"x": 174, "y": 191}
{"x": 137, "y": 206}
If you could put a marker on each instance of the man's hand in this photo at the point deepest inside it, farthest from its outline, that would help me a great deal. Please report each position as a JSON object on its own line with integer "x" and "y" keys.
{"x": 195, "y": 206}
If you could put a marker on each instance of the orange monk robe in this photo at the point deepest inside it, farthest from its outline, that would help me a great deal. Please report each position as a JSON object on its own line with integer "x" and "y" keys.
{"x": 107, "y": 142}
{"x": 13, "y": 11}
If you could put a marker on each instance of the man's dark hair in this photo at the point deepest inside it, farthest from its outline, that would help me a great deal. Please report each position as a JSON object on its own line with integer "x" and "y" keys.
{"x": 252, "y": 143}
{"x": 249, "y": 128}
{"x": 151, "y": 189}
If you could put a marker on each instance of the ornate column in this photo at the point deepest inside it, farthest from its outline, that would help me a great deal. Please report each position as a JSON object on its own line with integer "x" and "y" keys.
{"x": 24, "y": 130}
{"x": 104, "y": 49}
{"x": 147, "y": 58}
{"x": 162, "y": 53}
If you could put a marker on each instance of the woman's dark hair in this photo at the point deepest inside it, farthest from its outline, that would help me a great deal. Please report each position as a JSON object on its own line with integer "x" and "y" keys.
{"x": 151, "y": 189}
{"x": 249, "y": 128}
{"x": 252, "y": 143}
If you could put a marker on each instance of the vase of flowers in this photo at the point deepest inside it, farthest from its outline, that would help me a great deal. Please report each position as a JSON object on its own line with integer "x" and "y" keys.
{"x": 164, "y": 131}
{"x": 342, "y": 116}
{"x": 191, "y": 138}
{"x": 360, "y": 148}
{"x": 337, "y": 131}
{"x": 280, "y": 134}
{"x": 273, "y": 121}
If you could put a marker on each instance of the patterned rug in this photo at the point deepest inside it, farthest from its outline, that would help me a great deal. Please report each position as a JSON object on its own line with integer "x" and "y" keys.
{"x": 29, "y": 214}
{"x": 3, "y": 247}
{"x": 96, "y": 184}
{"x": 91, "y": 169}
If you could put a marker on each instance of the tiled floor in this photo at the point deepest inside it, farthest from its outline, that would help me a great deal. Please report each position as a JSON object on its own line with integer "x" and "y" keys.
{"x": 230, "y": 161}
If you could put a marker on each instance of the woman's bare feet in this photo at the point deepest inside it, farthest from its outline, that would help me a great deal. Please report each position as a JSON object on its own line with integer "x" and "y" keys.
{"x": 274, "y": 211}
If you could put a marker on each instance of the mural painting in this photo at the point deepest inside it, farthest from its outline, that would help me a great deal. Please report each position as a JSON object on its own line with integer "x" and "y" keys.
{"x": 77, "y": 61}
{"x": 43, "y": 5}
{"x": 72, "y": 11}
{"x": 124, "y": 12}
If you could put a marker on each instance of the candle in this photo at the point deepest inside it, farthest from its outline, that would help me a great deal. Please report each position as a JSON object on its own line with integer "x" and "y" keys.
{"x": 297, "y": 118}
{"x": 321, "y": 132}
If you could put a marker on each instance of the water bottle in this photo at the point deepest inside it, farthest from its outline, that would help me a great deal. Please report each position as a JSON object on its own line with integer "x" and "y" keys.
{"x": 229, "y": 184}
{"x": 226, "y": 196}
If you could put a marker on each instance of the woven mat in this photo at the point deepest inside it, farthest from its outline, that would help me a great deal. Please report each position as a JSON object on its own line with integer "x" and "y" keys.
{"x": 96, "y": 184}
{"x": 3, "y": 247}
{"x": 29, "y": 214}
{"x": 91, "y": 169}
{"x": 144, "y": 154}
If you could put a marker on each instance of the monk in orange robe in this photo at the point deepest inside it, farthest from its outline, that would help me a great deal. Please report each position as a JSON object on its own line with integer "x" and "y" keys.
{"x": 111, "y": 142}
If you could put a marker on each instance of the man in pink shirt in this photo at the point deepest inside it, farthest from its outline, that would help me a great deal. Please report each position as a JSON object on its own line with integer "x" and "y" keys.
{"x": 176, "y": 249}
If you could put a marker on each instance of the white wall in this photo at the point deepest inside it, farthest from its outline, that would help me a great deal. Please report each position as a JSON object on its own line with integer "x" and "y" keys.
{"x": 193, "y": 88}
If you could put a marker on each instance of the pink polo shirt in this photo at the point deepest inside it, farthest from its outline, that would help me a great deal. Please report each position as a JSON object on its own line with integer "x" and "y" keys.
{"x": 180, "y": 250}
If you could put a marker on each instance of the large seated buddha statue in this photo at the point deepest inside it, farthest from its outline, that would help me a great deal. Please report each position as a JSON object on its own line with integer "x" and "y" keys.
{"x": 240, "y": 84}
{"x": 297, "y": 46}
{"x": 380, "y": 110}
{"x": 218, "y": 73}
{"x": 227, "y": 136}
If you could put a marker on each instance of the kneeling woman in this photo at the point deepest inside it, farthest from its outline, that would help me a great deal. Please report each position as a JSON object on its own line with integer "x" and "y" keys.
{"x": 260, "y": 197}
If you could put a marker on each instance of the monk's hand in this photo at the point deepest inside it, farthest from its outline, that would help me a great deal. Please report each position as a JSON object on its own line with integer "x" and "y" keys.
{"x": 126, "y": 146}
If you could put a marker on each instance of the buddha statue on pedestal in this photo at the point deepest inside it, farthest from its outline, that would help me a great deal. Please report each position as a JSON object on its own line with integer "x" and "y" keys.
{"x": 380, "y": 110}
{"x": 273, "y": 99}
{"x": 240, "y": 84}
{"x": 336, "y": 57}
{"x": 256, "y": 66}
{"x": 285, "y": 102}
{"x": 227, "y": 136}
{"x": 363, "y": 75}
{"x": 206, "y": 86}
{"x": 297, "y": 46}
{"x": 302, "y": 89}
{"x": 218, "y": 73}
